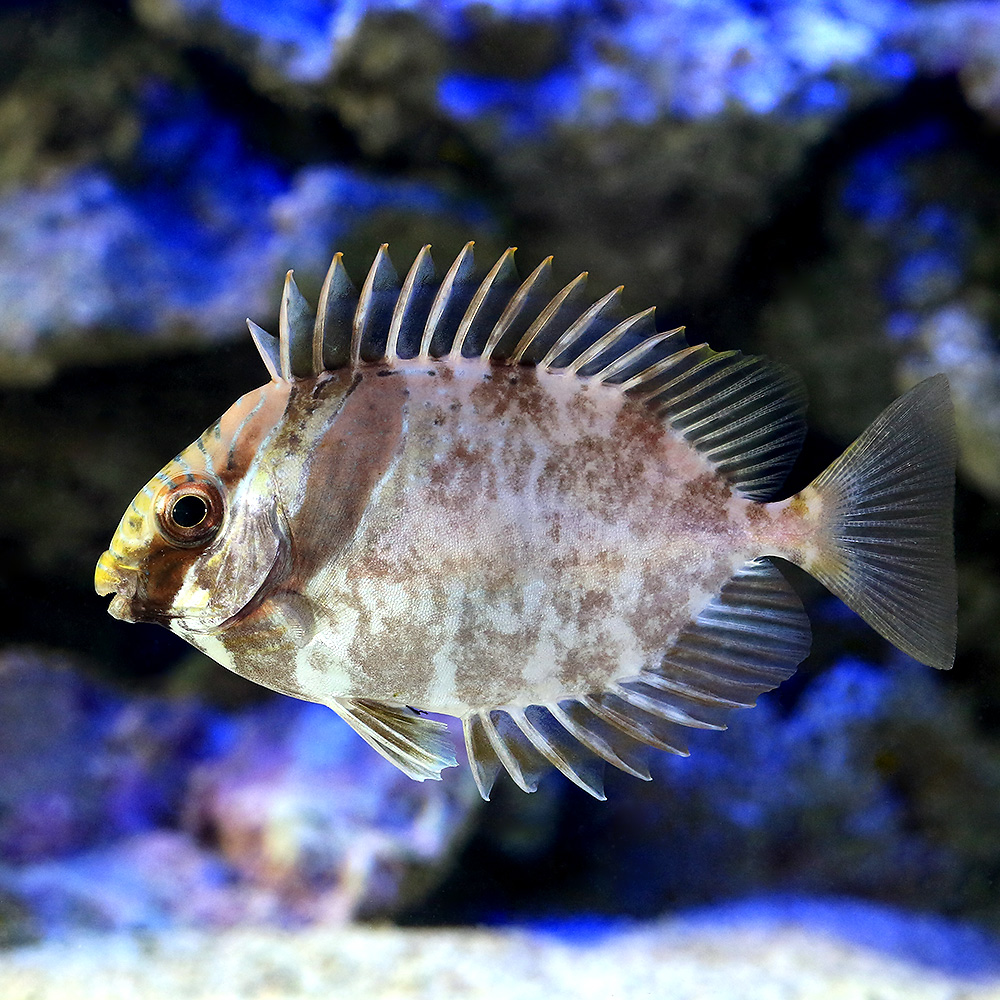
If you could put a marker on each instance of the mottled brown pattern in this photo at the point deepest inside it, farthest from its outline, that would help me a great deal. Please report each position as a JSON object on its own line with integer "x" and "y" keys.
{"x": 496, "y": 489}
{"x": 264, "y": 641}
{"x": 708, "y": 489}
{"x": 473, "y": 537}
{"x": 580, "y": 665}
{"x": 509, "y": 397}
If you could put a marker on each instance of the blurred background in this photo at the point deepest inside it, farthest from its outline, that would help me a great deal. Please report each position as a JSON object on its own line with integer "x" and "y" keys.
{"x": 818, "y": 180}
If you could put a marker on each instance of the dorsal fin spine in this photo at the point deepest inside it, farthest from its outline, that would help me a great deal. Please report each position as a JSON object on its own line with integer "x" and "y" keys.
{"x": 381, "y": 275}
{"x": 625, "y": 327}
{"x": 295, "y": 333}
{"x": 534, "y": 284}
{"x": 654, "y": 371}
{"x": 267, "y": 348}
{"x": 460, "y": 268}
{"x": 581, "y": 325}
{"x": 635, "y": 354}
{"x": 420, "y": 273}
{"x": 504, "y": 265}
{"x": 338, "y": 300}
{"x": 546, "y": 316}
{"x": 744, "y": 414}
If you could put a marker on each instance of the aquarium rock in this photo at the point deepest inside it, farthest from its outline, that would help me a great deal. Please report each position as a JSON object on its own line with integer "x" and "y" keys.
{"x": 96, "y": 266}
{"x": 83, "y": 766}
{"x": 875, "y": 784}
{"x": 124, "y": 813}
{"x": 647, "y": 140}
{"x": 298, "y": 806}
{"x": 907, "y": 288}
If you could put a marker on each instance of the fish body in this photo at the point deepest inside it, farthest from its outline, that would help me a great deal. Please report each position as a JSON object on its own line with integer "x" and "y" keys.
{"x": 468, "y": 498}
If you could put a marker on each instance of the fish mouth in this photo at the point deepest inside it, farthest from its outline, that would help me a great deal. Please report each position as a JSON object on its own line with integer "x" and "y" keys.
{"x": 109, "y": 574}
{"x": 123, "y": 580}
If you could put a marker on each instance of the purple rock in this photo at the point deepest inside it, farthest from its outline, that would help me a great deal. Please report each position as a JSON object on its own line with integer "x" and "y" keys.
{"x": 302, "y": 807}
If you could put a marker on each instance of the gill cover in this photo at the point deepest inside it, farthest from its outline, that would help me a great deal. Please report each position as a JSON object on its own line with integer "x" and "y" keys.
{"x": 231, "y": 575}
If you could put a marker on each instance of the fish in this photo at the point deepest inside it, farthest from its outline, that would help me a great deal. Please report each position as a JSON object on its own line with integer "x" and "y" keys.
{"x": 553, "y": 521}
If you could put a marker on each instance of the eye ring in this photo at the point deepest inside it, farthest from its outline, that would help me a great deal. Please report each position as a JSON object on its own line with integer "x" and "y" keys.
{"x": 190, "y": 513}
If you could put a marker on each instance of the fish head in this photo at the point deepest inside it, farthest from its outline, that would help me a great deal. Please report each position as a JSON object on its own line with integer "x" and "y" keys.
{"x": 202, "y": 539}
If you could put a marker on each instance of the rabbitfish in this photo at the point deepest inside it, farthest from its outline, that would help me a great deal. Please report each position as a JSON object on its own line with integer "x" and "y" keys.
{"x": 470, "y": 497}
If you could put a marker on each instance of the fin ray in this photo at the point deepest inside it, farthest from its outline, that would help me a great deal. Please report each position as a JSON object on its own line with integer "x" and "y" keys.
{"x": 483, "y": 761}
{"x": 640, "y": 327}
{"x": 449, "y": 305}
{"x": 370, "y": 326}
{"x": 590, "y": 326}
{"x": 418, "y": 746}
{"x": 748, "y": 639}
{"x": 886, "y": 539}
{"x": 485, "y": 308}
{"x": 338, "y": 301}
{"x": 754, "y": 630}
{"x": 519, "y": 758}
{"x": 295, "y": 328}
{"x": 519, "y": 313}
{"x": 412, "y": 308}
{"x": 633, "y": 722}
{"x": 566, "y": 756}
{"x": 550, "y": 323}
{"x": 268, "y": 349}
{"x": 607, "y": 742}
{"x": 743, "y": 413}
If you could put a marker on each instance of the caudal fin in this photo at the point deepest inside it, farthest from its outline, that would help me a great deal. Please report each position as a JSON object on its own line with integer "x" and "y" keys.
{"x": 886, "y": 543}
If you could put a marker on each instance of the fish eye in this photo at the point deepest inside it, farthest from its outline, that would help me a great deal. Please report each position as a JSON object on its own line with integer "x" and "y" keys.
{"x": 189, "y": 510}
{"x": 190, "y": 513}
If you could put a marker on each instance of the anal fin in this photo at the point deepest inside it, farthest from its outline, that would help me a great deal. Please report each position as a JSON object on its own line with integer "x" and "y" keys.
{"x": 748, "y": 639}
{"x": 418, "y": 746}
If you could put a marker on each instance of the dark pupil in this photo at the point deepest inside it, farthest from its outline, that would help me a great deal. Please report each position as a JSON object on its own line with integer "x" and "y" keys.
{"x": 189, "y": 511}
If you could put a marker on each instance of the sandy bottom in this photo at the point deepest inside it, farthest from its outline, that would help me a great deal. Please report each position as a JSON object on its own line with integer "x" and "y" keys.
{"x": 760, "y": 952}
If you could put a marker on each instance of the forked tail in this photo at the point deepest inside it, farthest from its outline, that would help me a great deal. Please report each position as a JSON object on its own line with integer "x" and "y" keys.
{"x": 885, "y": 541}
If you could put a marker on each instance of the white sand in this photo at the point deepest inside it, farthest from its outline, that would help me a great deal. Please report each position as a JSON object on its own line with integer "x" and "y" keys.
{"x": 676, "y": 959}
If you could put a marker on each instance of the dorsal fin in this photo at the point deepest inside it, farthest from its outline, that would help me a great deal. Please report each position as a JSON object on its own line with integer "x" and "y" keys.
{"x": 485, "y": 309}
{"x": 747, "y": 640}
{"x": 370, "y": 328}
{"x": 519, "y": 313}
{"x": 412, "y": 308}
{"x": 338, "y": 301}
{"x": 745, "y": 414}
{"x": 267, "y": 346}
{"x": 295, "y": 339}
{"x": 449, "y": 305}
{"x": 552, "y": 321}
{"x": 586, "y": 330}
